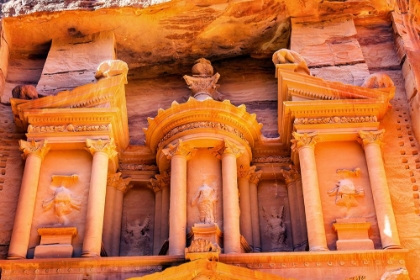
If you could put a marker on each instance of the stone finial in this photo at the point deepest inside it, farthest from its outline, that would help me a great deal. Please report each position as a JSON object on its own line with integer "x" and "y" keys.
{"x": 203, "y": 83}
{"x": 285, "y": 56}
{"x": 378, "y": 80}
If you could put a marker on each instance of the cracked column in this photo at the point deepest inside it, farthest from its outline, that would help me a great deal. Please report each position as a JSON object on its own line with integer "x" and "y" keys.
{"x": 34, "y": 152}
{"x": 371, "y": 141}
{"x": 297, "y": 208}
{"x": 304, "y": 144}
{"x": 179, "y": 155}
{"x": 101, "y": 151}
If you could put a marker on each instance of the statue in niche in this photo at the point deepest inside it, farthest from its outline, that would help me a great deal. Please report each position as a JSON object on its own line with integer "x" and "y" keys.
{"x": 275, "y": 229}
{"x": 205, "y": 200}
{"x": 137, "y": 235}
{"x": 63, "y": 202}
{"x": 345, "y": 192}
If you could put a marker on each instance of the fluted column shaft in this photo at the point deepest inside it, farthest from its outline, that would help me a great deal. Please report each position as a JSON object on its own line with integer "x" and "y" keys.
{"x": 305, "y": 145}
{"x": 255, "y": 219}
{"x": 245, "y": 203}
{"x": 34, "y": 153}
{"x": 371, "y": 141}
{"x": 231, "y": 232}
{"x": 297, "y": 209}
{"x": 179, "y": 154}
{"x": 101, "y": 151}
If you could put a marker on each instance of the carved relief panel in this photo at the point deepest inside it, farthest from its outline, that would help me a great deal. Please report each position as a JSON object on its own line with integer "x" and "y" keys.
{"x": 345, "y": 187}
{"x": 137, "y": 225}
{"x": 62, "y": 195}
{"x": 274, "y": 216}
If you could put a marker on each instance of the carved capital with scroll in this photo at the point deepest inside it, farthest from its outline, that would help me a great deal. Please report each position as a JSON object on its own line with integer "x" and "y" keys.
{"x": 291, "y": 175}
{"x": 161, "y": 182}
{"x": 255, "y": 177}
{"x": 228, "y": 147}
{"x": 38, "y": 148}
{"x": 179, "y": 149}
{"x": 245, "y": 172}
{"x": 104, "y": 146}
{"x": 120, "y": 184}
{"x": 304, "y": 140}
{"x": 371, "y": 137}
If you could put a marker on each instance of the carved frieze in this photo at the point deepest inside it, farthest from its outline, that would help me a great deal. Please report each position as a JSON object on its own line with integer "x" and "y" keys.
{"x": 67, "y": 128}
{"x": 271, "y": 159}
{"x": 138, "y": 167}
{"x": 336, "y": 119}
{"x": 204, "y": 124}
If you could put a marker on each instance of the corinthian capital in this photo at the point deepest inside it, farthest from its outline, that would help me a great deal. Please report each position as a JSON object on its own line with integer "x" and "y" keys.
{"x": 108, "y": 147}
{"x": 228, "y": 147}
{"x": 255, "y": 176}
{"x": 371, "y": 137}
{"x": 304, "y": 140}
{"x": 162, "y": 181}
{"x": 179, "y": 148}
{"x": 291, "y": 175}
{"x": 120, "y": 184}
{"x": 38, "y": 148}
{"x": 245, "y": 172}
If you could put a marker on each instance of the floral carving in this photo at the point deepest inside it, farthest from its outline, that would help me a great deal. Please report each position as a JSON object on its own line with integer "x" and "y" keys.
{"x": 140, "y": 167}
{"x": 271, "y": 159}
{"x": 302, "y": 140}
{"x": 337, "y": 119}
{"x": 120, "y": 184}
{"x": 180, "y": 148}
{"x": 67, "y": 128}
{"x": 162, "y": 181}
{"x": 38, "y": 148}
{"x": 370, "y": 137}
{"x": 200, "y": 245}
{"x": 203, "y": 83}
{"x": 291, "y": 175}
{"x": 104, "y": 146}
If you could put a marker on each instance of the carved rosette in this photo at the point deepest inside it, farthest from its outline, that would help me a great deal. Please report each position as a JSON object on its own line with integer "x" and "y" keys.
{"x": 162, "y": 181}
{"x": 120, "y": 184}
{"x": 304, "y": 140}
{"x": 103, "y": 146}
{"x": 179, "y": 149}
{"x": 228, "y": 147}
{"x": 371, "y": 137}
{"x": 38, "y": 148}
{"x": 255, "y": 177}
{"x": 291, "y": 175}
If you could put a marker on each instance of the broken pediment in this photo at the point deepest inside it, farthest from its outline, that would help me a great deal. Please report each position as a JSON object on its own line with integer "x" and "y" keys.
{"x": 204, "y": 269}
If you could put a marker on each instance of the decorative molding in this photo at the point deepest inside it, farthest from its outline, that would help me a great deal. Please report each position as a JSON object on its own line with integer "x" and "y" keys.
{"x": 371, "y": 137}
{"x": 336, "y": 119}
{"x": 291, "y": 175}
{"x": 38, "y": 148}
{"x": 303, "y": 140}
{"x": 104, "y": 146}
{"x": 271, "y": 159}
{"x": 179, "y": 149}
{"x": 67, "y": 128}
{"x": 120, "y": 184}
{"x": 137, "y": 167}
{"x": 204, "y": 124}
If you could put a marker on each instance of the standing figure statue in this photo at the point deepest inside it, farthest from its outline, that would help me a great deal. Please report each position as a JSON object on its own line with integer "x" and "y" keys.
{"x": 206, "y": 204}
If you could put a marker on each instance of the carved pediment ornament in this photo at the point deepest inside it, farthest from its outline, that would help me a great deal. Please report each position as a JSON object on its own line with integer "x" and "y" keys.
{"x": 104, "y": 146}
{"x": 371, "y": 137}
{"x": 179, "y": 149}
{"x": 38, "y": 148}
{"x": 303, "y": 140}
{"x": 120, "y": 184}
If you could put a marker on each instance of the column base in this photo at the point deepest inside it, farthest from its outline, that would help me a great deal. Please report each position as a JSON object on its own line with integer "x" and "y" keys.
{"x": 318, "y": 248}
{"x": 391, "y": 247}
{"x": 90, "y": 255}
{"x": 11, "y": 257}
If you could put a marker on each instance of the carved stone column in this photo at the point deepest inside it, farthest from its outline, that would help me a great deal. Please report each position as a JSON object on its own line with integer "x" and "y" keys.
{"x": 178, "y": 154}
{"x": 121, "y": 187}
{"x": 297, "y": 209}
{"x": 160, "y": 186}
{"x": 304, "y": 144}
{"x": 231, "y": 231}
{"x": 371, "y": 141}
{"x": 255, "y": 219}
{"x": 34, "y": 152}
{"x": 109, "y": 212}
{"x": 245, "y": 202}
{"x": 101, "y": 151}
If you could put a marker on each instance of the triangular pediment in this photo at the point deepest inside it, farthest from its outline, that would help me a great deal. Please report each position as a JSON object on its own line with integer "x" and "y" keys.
{"x": 204, "y": 269}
